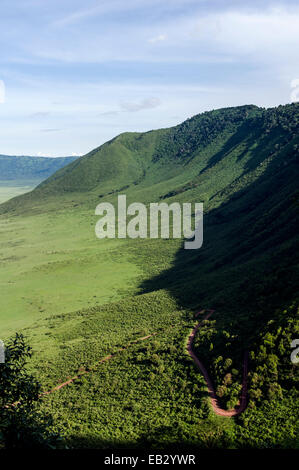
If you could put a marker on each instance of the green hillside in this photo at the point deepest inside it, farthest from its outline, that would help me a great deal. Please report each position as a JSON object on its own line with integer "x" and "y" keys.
{"x": 78, "y": 298}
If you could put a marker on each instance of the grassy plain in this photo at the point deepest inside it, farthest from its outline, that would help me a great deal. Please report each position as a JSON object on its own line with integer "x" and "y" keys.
{"x": 53, "y": 263}
{"x": 13, "y": 188}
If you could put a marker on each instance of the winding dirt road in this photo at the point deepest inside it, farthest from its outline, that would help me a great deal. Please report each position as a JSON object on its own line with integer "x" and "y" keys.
{"x": 213, "y": 399}
{"x": 211, "y": 391}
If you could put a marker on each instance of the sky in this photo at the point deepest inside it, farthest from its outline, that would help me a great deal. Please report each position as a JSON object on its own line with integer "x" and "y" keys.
{"x": 75, "y": 74}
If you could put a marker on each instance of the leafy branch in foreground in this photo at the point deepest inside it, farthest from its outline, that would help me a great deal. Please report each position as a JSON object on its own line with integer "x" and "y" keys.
{"x": 22, "y": 425}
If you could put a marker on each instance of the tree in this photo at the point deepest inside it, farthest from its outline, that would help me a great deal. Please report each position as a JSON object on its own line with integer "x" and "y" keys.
{"x": 22, "y": 424}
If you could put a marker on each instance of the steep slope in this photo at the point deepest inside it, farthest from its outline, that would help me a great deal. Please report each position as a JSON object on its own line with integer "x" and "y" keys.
{"x": 210, "y": 153}
{"x": 156, "y": 156}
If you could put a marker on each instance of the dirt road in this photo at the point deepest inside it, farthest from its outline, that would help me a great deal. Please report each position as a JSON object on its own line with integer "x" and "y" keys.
{"x": 211, "y": 391}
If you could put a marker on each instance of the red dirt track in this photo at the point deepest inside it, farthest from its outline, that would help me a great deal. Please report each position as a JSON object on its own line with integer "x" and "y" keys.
{"x": 105, "y": 359}
{"x": 76, "y": 377}
{"x": 211, "y": 391}
{"x": 213, "y": 399}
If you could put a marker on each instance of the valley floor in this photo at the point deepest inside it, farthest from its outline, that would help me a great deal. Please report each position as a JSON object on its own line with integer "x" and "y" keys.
{"x": 13, "y": 188}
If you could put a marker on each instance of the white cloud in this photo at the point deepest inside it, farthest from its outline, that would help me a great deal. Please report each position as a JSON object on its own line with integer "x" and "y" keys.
{"x": 39, "y": 114}
{"x": 144, "y": 104}
{"x": 83, "y": 125}
{"x": 101, "y": 8}
{"x": 76, "y": 16}
{"x": 2, "y": 91}
{"x": 258, "y": 35}
{"x": 294, "y": 98}
{"x": 108, "y": 113}
{"x": 159, "y": 38}
{"x": 269, "y": 35}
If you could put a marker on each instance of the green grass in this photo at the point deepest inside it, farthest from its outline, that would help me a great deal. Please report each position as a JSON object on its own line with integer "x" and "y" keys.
{"x": 55, "y": 264}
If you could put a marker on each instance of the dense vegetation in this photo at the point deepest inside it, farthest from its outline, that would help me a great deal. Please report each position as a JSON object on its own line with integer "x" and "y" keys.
{"x": 271, "y": 375}
{"x": 79, "y": 299}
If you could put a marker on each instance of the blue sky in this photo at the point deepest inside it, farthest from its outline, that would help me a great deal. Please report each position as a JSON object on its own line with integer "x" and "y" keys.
{"x": 74, "y": 74}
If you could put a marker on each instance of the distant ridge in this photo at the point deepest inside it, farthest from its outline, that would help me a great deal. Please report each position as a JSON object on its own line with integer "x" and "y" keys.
{"x": 30, "y": 168}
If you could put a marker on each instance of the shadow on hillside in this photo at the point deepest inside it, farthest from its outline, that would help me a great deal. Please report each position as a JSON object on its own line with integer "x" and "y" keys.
{"x": 247, "y": 136}
{"x": 247, "y": 264}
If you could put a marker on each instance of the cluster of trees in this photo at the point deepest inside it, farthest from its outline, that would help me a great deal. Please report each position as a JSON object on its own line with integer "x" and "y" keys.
{"x": 283, "y": 117}
{"x": 273, "y": 375}
{"x": 200, "y": 130}
{"x": 221, "y": 353}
